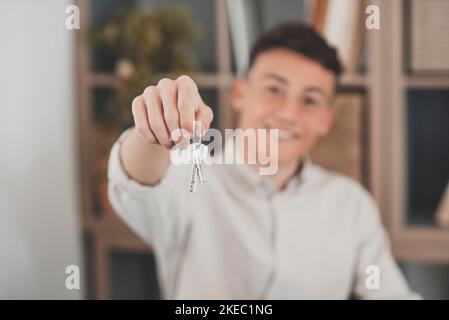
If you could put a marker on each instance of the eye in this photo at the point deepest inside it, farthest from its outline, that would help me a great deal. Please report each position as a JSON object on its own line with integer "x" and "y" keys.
{"x": 274, "y": 90}
{"x": 311, "y": 102}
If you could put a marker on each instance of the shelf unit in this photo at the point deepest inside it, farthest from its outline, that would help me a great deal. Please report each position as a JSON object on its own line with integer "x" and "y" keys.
{"x": 383, "y": 85}
{"x": 410, "y": 243}
{"x": 109, "y": 232}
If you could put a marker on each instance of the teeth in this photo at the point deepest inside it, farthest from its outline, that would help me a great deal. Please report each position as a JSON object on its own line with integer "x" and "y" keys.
{"x": 284, "y": 134}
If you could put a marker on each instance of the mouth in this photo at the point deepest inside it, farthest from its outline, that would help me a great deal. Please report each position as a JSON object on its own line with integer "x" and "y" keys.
{"x": 285, "y": 134}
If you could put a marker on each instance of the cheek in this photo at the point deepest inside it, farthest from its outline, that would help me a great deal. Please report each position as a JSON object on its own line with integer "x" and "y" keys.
{"x": 318, "y": 125}
{"x": 256, "y": 108}
{"x": 263, "y": 102}
{"x": 312, "y": 131}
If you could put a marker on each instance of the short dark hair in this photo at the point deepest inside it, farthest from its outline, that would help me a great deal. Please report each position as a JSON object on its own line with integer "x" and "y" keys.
{"x": 300, "y": 38}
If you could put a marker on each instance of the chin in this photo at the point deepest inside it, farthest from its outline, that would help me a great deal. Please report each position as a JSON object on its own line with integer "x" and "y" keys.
{"x": 290, "y": 150}
{"x": 288, "y": 153}
{"x": 288, "y": 160}
{"x": 285, "y": 158}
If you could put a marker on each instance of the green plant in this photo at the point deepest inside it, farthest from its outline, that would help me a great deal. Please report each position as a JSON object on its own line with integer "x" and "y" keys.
{"x": 145, "y": 44}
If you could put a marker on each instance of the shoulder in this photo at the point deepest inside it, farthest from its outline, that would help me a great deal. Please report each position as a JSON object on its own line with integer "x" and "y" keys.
{"x": 332, "y": 179}
{"x": 340, "y": 187}
{"x": 347, "y": 198}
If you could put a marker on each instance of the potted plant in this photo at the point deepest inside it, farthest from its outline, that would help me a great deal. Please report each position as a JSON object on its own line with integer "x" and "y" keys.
{"x": 144, "y": 44}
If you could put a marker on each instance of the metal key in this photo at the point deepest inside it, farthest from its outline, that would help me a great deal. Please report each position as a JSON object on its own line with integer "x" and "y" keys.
{"x": 197, "y": 169}
{"x": 196, "y": 149}
{"x": 200, "y": 172}
{"x": 198, "y": 160}
{"x": 193, "y": 178}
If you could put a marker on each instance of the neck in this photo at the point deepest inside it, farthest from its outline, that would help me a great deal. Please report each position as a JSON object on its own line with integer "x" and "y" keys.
{"x": 285, "y": 173}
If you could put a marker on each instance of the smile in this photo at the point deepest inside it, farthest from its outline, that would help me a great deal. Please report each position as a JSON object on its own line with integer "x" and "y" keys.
{"x": 285, "y": 135}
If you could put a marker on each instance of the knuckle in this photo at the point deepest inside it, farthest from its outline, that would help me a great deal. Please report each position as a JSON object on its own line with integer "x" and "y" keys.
{"x": 135, "y": 104}
{"x": 164, "y": 82}
{"x": 184, "y": 79}
{"x": 150, "y": 90}
{"x": 185, "y": 82}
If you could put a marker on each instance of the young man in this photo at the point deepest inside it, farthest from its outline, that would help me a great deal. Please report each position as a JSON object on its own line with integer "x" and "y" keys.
{"x": 301, "y": 233}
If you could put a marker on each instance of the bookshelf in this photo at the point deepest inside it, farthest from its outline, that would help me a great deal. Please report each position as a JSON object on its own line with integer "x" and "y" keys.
{"x": 382, "y": 85}
{"x": 105, "y": 233}
{"x": 415, "y": 243}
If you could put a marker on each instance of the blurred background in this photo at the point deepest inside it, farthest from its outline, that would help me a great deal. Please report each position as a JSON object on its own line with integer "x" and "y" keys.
{"x": 65, "y": 97}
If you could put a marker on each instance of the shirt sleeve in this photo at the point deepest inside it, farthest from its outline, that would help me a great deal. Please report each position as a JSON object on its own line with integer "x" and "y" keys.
{"x": 152, "y": 212}
{"x": 377, "y": 273}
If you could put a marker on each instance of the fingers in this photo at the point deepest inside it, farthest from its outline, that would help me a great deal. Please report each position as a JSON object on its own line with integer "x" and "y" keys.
{"x": 188, "y": 102}
{"x": 168, "y": 94}
{"x": 205, "y": 116}
{"x": 140, "y": 116}
{"x": 167, "y": 112}
{"x": 155, "y": 113}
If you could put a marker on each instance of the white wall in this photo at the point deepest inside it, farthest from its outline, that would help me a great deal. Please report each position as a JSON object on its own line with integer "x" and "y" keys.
{"x": 39, "y": 233}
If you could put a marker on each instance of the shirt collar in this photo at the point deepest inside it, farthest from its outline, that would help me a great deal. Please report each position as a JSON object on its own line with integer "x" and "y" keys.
{"x": 250, "y": 178}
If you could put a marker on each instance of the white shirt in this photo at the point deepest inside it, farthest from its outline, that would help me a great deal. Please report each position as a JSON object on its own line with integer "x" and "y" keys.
{"x": 236, "y": 237}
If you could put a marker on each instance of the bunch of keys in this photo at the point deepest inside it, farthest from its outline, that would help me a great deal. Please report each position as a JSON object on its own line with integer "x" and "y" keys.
{"x": 197, "y": 153}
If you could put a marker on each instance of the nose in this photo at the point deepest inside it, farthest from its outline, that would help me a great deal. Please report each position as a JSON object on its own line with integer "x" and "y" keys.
{"x": 289, "y": 113}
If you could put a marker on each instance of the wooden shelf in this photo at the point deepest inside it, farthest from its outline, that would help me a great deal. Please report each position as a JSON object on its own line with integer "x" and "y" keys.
{"x": 407, "y": 253}
{"x": 212, "y": 79}
{"x": 427, "y": 81}
{"x": 410, "y": 243}
{"x": 354, "y": 81}
{"x": 421, "y": 244}
{"x": 114, "y": 232}
{"x": 202, "y": 79}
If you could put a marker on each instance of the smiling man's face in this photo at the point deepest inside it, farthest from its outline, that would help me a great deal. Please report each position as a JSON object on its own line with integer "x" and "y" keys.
{"x": 290, "y": 92}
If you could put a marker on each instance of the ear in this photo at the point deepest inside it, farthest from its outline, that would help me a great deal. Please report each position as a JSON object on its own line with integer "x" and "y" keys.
{"x": 237, "y": 94}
